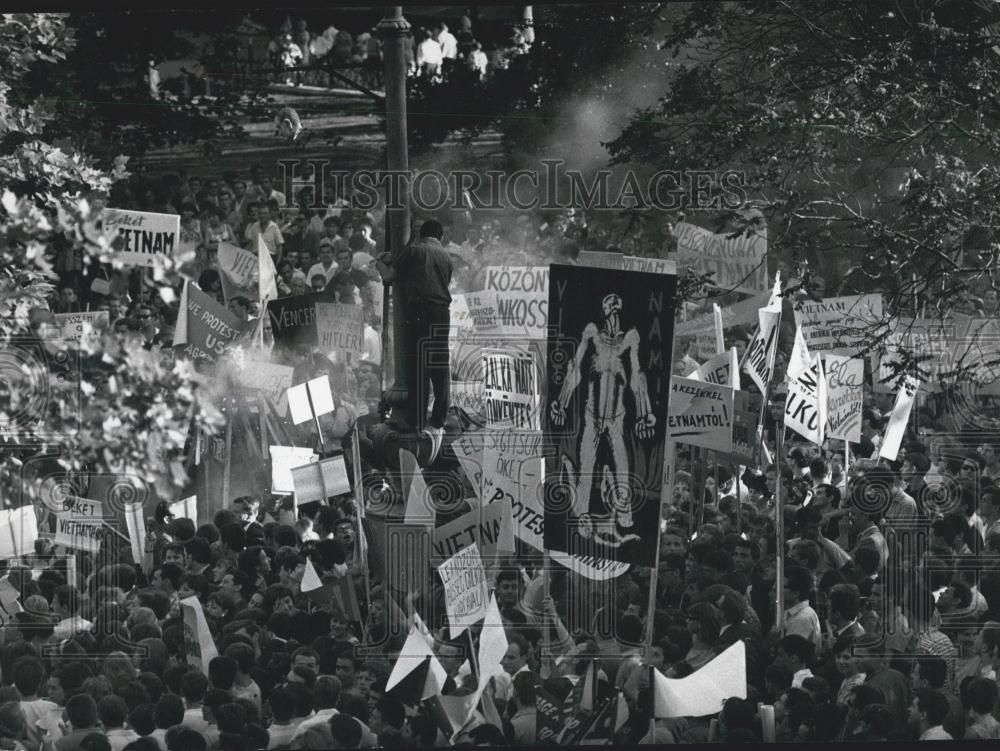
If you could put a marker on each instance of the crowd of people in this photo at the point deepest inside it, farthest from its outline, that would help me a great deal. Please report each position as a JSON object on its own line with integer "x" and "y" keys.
{"x": 882, "y": 637}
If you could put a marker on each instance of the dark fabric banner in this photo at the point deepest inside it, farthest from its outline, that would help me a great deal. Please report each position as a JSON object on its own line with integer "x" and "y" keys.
{"x": 293, "y": 319}
{"x": 608, "y": 373}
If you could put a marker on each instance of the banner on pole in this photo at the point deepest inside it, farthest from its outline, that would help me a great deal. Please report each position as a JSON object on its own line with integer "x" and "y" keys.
{"x": 270, "y": 379}
{"x": 608, "y": 376}
{"x": 839, "y": 324}
{"x": 512, "y": 474}
{"x": 722, "y": 370}
{"x": 896, "y": 428}
{"x": 293, "y": 319}
{"x": 18, "y": 532}
{"x": 738, "y": 261}
{"x": 806, "y": 403}
{"x": 490, "y": 528}
{"x": 197, "y": 636}
{"x": 283, "y": 460}
{"x": 208, "y": 327}
{"x": 81, "y": 525}
{"x": 760, "y": 353}
{"x": 746, "y": 416}
{"x": 511, "y": 390}
{"x": 341, "y": 328}
{"x": 238, "y": 272}
{"x": 466, "y": 594}
{"x": 309, "y": 484}
{"x": 135, "y": 524}
{"x": 701, "y": 414}
{"x": 141, "y": 238}
{"x": 845, "y": 379}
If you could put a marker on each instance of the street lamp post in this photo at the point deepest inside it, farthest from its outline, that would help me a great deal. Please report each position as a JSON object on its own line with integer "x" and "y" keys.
{"x": 394, "y": 29}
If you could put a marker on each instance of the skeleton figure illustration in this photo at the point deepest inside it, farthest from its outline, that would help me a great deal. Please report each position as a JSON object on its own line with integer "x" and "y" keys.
{"x": 604, "y": 417}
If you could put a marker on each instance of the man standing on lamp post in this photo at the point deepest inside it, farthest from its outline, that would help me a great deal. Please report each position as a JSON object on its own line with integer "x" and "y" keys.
{"x": 422, "y": 272}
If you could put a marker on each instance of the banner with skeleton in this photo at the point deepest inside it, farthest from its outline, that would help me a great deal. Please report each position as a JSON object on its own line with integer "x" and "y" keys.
{"x": 608, "y": 372}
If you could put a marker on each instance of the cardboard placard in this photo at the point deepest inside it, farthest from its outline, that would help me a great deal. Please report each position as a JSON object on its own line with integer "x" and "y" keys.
{"x": 283, "y": 460}
{"x": 511, "y": 390}
{"x": 701, "y": 414}
{"x": 309, "y": 484}
{"x": 738, "y": 262}
{"x": 340, "y": 328}
{"x": 142, "y": 238}
{"x": 81, "y": 526}
{"x": 466, "y": 594}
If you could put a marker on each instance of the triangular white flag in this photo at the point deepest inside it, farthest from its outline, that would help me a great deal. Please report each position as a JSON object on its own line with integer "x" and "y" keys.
{"x": 492, "y": 643}
{"x": 181, "y": 329}
{"x": 414, "y": 652}
{"x": 900, "y": 415}
{"x": 267, "y": 275}
{"x": 419, "y": 509}
{"x": 704, "y": 691}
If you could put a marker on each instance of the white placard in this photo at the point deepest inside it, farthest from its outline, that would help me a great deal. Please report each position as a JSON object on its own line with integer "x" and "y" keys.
{"x": 465, "y": 590}
{"x": 142, "y": 238}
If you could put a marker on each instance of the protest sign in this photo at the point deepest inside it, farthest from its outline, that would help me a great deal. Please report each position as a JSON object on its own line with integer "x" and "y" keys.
{"x": 600, "y": 259}
{"x": 608, "y": 376}
{"x": 141, "y": 238}
{"x": 806, "y": 402}
{"x": 185, "y": 508}
{"x": 511, "y": 390}
{"x": 18, "y": 532}
{"x": 900, "y": 415}
{"x": 482, "y": 307}
{"x": 722, "y": 370}
{"x": 839, "y": 324}
{"x": 341, "y": 328}
{"x": 738, "y": 261}
{"x": 845, "y": 377}
{"x": 649, "y": 265}
{"x": 746, "y": 416}
{"x": 207, "y": 329}
{"x": 197, "y": 636}
{"x": 597, "y": 569}
{"x": 75, "y": 325}
{"x": 135, "y": 525}
{"x": 270, "y": 379}
{"x": 293, "y": 319}
{"x": 81, "y": 525}
{"x": 550, "y": 717}
{"x": 760, "y": 354}
{"x": 701, "y": 414}
{"x": 521, "y": 299}
{"x": 512, "y": 473}
{"x": 468, "y": 395}
{"x": 468, "y": 449}
{"x": 466, "y": 594}
{"x": 742, "y": 313}
{"x": 490, "y": 528}
{"x": 704, "y": 691}
{"x": 932, "y": 340}
{"x": 283, "y": 460}
{"x": 310, "y": 485}
{"x": 238, "y": 271}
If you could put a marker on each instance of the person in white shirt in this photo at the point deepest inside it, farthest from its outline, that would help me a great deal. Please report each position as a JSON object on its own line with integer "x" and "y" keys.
{"x": 194, "y": 684}
{"x": 927, "y": 714}
{"x": 28, "y": 676}
{"x": 477, "y": 60}
{"x": 327, "y": 265}
{"x": 429, "y": 56}
{"x": 66, "y": 604}
{"x": 113, "y": 711}
{"x": 800, "y": 618}
{"x": 448, "y": 42}
{"x": 282, "y": 730}
{"x": 798, "y": 653}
